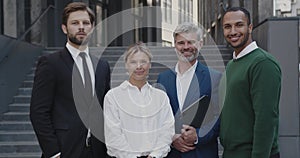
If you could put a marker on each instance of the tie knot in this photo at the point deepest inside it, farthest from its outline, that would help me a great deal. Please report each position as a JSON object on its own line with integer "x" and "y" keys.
{"x": 82, "y": 55}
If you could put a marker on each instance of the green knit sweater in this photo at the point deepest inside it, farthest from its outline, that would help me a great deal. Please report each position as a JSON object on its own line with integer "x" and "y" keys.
{"x": 250, "y": 115}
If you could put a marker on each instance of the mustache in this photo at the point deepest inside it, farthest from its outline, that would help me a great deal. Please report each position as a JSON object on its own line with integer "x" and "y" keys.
{"x": 81, "y": 33}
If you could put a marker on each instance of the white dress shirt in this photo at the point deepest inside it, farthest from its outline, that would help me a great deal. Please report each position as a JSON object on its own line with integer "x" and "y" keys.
{"x": 78, "y": 61}
{"x": 183, "y": 82}
{"x": 137, "y": 122}
{"x": 252, "y": 46}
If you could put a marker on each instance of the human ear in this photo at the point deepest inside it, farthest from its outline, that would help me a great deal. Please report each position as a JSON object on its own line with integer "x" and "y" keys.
{"x": 64, "y": 28}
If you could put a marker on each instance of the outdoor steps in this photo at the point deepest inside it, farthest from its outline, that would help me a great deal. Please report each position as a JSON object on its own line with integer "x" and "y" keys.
{"x": 17, "y": 138}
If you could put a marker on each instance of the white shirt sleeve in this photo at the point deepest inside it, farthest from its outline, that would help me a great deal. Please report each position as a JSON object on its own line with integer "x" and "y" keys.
{"x": 114, "y": 138}
{"x": 166, "y": 132}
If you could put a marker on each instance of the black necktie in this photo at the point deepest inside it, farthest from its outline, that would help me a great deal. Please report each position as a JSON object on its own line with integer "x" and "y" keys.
{"x": 87, "y": 77}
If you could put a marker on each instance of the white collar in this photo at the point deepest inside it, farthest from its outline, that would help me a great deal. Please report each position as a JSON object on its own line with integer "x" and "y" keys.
{"x": 75, "y": 52}
{"x": 248, "y": 49}
{"x": 126, "y": 84}
{"x": 192, "y": 68}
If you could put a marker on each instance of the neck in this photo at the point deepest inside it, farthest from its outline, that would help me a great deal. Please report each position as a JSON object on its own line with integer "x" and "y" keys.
{"x": 184, "y": 66}
{"x": 238, "y": 50}
{"x": 79, "y": 47}
{"x": 137, "y": 83}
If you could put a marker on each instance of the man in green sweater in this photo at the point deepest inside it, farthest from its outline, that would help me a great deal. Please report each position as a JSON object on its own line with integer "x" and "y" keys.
{"x": 250, "y": 115}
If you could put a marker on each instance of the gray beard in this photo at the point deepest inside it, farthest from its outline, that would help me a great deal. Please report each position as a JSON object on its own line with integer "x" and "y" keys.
{"x": 186, "y": 59}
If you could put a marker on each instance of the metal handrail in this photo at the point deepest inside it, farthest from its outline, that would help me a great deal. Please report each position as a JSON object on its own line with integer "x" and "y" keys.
{"x": 11, "y": 44}
{"x": 35, "y": 21}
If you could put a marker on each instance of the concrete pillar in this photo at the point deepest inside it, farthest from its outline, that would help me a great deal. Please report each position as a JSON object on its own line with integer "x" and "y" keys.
{"x": 10, "y": 18}
{"x": 35, "y": 12}
{"x": 280, "y": 37}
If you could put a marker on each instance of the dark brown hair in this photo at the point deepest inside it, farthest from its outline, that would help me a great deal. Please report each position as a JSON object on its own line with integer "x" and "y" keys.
{"x": 76, "y": 6}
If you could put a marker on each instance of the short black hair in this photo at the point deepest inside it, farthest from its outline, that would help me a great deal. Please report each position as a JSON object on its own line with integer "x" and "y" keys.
{"x": 245, "y": 11}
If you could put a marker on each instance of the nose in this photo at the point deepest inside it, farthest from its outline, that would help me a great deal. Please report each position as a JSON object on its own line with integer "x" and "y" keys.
{"x": 233, "y": 30}
{"x": 81, "y": 26}
{"x": 140, "y": 64}
{"x": 186, "y": 45}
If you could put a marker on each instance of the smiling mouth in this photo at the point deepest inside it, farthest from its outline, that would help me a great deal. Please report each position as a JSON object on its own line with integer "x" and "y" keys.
{"x": 234, "y": 38}
{"x": 139, "y": 72}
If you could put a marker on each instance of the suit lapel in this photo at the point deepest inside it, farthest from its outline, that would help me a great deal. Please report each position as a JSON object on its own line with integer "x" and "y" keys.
{"x": 194, "y": 91}
{"x": 173, "y": 91}
{"x": 67, "y": 58}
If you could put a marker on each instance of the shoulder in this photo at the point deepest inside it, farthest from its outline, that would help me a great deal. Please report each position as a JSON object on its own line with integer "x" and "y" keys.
{"x": 262, "y": 57}
{"x": 167, "y": 72}
{"x": 102, "y": 66}
{"x": 102, "y": 61}
{"x": 209, "y": 71}
{"x": 50, "y": 58}
{"x": 112, "y": 91}
{"x": 159, "y": 93}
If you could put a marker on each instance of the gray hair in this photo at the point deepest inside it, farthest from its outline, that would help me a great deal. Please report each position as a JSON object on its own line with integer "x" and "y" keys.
{"x": 137, "y": 47}
{"x": 188, "y": 27}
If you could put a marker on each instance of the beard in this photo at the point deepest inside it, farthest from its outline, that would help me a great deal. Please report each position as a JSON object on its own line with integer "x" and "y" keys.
{"x": 242, "y": 43}
{"x": 76, "y": 41}
{"x": 191, "y": 58}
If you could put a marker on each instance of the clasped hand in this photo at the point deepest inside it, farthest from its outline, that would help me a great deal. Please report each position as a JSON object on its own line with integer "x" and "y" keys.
{"x": 184, "y": 142}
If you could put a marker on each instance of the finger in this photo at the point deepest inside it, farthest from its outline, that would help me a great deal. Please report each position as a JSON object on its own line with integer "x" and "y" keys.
{"x": 187, "y": 148}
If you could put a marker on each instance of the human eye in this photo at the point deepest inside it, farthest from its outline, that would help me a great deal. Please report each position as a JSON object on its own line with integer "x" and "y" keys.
{"x": 180, "y": 42}
{"x": 240, "y": 24}
{"x": 226, "y": 27}
{"x": 86, "y": 22}
{"x": 192, "y": 42}
{"x": 132, "y": 62}
{"x": 143, "y": 62}
{"x": 74, "y": 22}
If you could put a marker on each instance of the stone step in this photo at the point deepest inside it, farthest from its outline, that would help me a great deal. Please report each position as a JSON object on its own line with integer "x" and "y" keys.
{"x": 27, "y": 83}
{"x": 22, "y": 98}
{"x": 19, "y": 135}
{"x": 19, "y": 146}
{"x": 15, "y": 116}
{"x": 15, "y": 125}
{"x": 25, "y": 90}
{"x": 24, "y": 107}
{"x": 30, "y": 76}
{"x": 21, "y": 155}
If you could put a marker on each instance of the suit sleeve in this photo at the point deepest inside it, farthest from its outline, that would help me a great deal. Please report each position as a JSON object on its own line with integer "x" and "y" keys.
{"x": 41, "y": 105}
{"x": 214, "y": 111}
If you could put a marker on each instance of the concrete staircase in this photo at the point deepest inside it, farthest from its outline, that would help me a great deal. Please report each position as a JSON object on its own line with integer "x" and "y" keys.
{"x": 17, "y": 138}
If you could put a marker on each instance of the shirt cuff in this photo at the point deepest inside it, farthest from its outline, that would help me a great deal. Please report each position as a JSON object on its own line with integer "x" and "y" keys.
{"x": 56, "y": 155}
{"x": 196, "y": 141}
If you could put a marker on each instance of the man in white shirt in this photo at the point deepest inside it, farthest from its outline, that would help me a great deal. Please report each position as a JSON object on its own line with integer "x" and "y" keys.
{"x": 186, "y": 83}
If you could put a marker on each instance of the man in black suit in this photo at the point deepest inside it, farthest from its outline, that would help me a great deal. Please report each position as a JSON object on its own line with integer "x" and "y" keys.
{"x": 67, "y": 115}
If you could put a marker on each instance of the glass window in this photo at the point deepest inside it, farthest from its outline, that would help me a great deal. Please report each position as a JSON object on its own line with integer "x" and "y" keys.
{"x": 167, "y": 7}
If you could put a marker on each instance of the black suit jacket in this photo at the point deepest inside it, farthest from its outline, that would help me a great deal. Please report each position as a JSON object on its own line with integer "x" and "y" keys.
{"x": 53, "y": 112}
